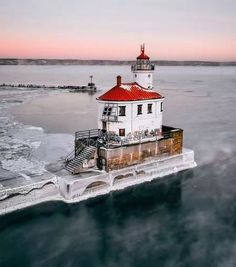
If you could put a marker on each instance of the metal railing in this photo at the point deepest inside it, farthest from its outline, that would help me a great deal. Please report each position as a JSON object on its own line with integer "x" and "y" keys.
{"x": 102, "y": 138}
{"x": 87, "y": 134}
{"x": 70, "y": 156}
{"x": 112, "y": 118}
{"x": 143, "y": 67}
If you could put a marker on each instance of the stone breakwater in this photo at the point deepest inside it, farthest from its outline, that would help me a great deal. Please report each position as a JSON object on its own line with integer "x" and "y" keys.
{"x": 83, "y": 88}
{"x": 72, "y": 189}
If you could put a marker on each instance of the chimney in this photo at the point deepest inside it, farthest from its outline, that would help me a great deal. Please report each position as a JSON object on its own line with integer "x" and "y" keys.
{"x": 118, "y": 80}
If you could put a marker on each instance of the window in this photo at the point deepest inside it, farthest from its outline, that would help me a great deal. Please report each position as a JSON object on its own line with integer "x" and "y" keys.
{"x": 161, "y": 106}
{"x": 135, "y": 75}
{"x": 107, "y": 111}
{"x": 149, "y": 108}
{"x": 140, "y": 109}
{"x": 121, "y": 132}
{"x": 122, "y": 110}
{"x": 149, "y": 75}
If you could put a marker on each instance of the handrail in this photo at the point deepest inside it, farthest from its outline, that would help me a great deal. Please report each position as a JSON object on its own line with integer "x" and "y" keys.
{"x": 69, "y": 156}
{"x": 143, "y": 67}
{"x": 87, "y": 134}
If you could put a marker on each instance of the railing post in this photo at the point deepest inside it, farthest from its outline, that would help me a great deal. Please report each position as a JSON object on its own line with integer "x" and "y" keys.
{"x": 88, "y": 139}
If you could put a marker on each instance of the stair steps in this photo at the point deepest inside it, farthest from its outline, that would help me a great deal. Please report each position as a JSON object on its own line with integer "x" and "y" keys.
{"x": 77, "y": 162}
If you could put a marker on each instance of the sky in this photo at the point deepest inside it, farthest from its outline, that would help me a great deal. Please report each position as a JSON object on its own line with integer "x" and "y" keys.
{"x": 114, "y": 29}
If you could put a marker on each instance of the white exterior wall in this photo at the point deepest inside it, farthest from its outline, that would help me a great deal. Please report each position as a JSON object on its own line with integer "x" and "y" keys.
{"x": 133, "y": 122}
{"x": 144, "y": 78}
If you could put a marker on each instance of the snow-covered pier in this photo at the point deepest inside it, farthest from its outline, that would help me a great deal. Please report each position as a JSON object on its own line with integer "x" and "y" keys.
{"x": 75, "y": 188}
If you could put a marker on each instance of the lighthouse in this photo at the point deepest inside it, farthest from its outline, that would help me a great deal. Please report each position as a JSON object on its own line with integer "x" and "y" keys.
{"x": 130, "y": 144}
{"x": 143, "y": 70}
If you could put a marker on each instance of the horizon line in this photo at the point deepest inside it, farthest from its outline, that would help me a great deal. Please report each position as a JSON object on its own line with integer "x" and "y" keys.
{"x": 165, "y": 60}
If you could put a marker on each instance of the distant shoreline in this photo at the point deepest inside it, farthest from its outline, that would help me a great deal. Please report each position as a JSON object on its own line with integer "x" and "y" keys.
{"x": 42, "y": 62}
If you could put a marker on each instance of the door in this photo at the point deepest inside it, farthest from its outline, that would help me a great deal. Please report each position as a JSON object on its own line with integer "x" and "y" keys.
{"x": 104, "y": 125}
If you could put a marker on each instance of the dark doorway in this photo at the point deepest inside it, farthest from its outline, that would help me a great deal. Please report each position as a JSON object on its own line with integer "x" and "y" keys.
{"x": 104, "y": 125}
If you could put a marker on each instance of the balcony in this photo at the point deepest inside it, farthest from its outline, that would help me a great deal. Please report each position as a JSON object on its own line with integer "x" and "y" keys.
{"x": 138, "y": 67}
{"x": 111, "y": 118}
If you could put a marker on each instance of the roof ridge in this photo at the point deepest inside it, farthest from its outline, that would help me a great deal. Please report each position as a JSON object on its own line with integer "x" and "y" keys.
{"x": 129, "y": 92}
{"x": 127, "y": 83}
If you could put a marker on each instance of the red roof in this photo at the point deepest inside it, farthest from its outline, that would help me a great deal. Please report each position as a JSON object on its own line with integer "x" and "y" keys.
{"x": 143, "y": 56}
{"x": 129, "y": 92}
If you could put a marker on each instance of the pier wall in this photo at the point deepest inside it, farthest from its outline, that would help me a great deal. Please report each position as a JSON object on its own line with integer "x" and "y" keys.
{"x": 93, "y": 184}
{"x": 103, "y": 183}
{"x": 122, "y": 157}
{"x": 28, "y": 195}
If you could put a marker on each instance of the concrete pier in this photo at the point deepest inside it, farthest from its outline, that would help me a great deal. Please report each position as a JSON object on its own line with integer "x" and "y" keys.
{"x": 75, "y": 188}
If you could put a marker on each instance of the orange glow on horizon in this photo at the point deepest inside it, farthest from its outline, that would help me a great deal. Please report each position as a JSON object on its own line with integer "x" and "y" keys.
{"x": 91, "y": 49}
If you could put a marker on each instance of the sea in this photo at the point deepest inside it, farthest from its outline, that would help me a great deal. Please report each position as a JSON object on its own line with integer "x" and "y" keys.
{"x": 182, "y": 220}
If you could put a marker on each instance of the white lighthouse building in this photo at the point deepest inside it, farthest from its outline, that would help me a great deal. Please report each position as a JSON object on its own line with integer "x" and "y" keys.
{"x": 132, "y": 110}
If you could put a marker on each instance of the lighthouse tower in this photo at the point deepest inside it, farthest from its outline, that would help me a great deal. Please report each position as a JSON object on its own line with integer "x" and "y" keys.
{"x": 143, "y": 70}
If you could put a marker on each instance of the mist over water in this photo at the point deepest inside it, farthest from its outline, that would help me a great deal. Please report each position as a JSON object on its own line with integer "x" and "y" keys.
{"x": 187, "y": 219}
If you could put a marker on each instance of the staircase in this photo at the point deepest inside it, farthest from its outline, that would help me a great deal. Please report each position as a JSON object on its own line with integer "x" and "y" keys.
{"x": 74, "y": 164}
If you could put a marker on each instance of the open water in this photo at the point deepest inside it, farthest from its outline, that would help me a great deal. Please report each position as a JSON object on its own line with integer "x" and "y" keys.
{"x": 183, "y": 220}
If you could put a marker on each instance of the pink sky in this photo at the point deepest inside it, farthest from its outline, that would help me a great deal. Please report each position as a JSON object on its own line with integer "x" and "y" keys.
{"x": 177, "y": 30}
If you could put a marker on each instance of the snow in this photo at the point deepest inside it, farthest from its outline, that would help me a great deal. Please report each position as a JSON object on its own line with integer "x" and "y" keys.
{"x": 26, "y": 150}
{"x": 21, "y": 164}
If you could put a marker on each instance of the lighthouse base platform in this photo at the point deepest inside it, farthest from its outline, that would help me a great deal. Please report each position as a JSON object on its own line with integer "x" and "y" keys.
{"x": 93, "y": 184}
{"x": 75, "y": 188}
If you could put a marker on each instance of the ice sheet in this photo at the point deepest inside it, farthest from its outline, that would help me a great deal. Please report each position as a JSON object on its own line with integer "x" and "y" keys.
{"x": 25, "y": 150}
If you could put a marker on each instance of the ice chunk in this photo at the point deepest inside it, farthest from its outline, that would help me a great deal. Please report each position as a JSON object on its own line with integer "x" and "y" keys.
{"x": 20, "y": 165}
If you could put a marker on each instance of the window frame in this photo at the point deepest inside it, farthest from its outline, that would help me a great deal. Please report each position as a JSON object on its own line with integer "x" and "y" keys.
{"x": 139, "y": 109}
{"x": 122, "y": 132}
{"x": 107, "y": 111}
{"x": 124, "y": 109}
{"x": 149, "y": 111}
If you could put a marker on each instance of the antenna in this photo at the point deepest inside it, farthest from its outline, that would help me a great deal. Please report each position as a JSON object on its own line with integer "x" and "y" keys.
{"x": 142, "y": 48}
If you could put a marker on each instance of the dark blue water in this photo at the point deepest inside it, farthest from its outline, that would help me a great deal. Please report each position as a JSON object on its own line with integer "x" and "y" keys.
{"x": 182, "y": 220}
